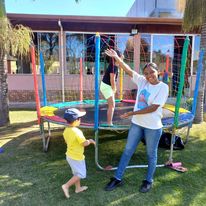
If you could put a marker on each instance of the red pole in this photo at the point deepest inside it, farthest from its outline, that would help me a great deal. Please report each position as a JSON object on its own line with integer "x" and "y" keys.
{"x": 33, "y": 61}
{"x": 167, "y": 61}
{"x": 81, "y": 79}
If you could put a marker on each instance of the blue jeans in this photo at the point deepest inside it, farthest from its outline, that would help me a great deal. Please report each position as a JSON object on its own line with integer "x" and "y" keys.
{"x": 136, "y": 133}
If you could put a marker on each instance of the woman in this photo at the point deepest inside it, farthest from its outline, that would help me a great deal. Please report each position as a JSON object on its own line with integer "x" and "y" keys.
{"x": 146, "y": 120}
{"x": 108, "y": 87}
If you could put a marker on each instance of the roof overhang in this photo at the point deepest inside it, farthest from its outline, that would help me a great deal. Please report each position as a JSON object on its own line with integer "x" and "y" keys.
{"x": 98, "y": 23}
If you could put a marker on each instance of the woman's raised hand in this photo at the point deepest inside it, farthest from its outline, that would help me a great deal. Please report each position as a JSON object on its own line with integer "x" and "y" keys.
{"x": 111, "y": 53}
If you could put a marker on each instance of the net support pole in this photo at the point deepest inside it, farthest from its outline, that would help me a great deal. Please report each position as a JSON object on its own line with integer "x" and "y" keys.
{"x": 182, "y": 79}
{"x": 97, "y": 67}
{"x": 199, "y": 71}
{"x": 167, "y": 61}
{"x": 62, "y": 59}
{"x": 81, "y": 79}
{"x": 33, "y": 61}
{"x": 43, "y": 78}
{"x": 197, "y": 83}
{"x": 179, "y": 94}
{"x": 121, "y": 84}
{"x": 96, "y": 113}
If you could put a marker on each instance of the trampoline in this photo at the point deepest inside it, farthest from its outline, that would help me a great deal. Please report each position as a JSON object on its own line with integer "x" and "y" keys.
{"x": 174, "y": 116}
{"x": 54, "y": 114}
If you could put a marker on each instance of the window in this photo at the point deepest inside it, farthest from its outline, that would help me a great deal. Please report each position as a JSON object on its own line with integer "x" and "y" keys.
{"x": 163, "y": 51}
{"x": 167, "y": 54}
{"x": 196, "y": 53}
{"x": 125, "y": 44}
{"x": 48, "y": 44}
{"x": 145, "y": 49}
{"x": 82, "y": 46}
{"x": 75, "y": 48}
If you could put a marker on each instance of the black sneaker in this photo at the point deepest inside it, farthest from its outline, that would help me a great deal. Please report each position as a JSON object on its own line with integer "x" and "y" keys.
{"x": 113, "y": 184}
{"x": 146, "y": 186}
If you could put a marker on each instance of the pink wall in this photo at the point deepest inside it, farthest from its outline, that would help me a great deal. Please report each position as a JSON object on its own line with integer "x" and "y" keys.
{"x": 53, "y": 82}
{"x": 21, "y": 88}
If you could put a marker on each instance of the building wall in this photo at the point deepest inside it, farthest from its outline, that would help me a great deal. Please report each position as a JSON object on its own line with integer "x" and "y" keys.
{"x": 21, "y": 88}
{"x": 141, "y": 8}
{"x": 145, "y": 8}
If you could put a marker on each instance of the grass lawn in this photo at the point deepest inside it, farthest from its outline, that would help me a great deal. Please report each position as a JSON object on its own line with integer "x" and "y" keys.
{"x": 29, "y": 176}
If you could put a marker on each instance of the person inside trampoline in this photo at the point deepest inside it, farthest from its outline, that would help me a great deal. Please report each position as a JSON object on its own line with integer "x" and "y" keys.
{"x": 146, "y": 120}
{"x": 108, "y": 86}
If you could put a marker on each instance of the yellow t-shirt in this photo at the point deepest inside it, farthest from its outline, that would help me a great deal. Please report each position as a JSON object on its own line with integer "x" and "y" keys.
{"x": 74, "y": 139}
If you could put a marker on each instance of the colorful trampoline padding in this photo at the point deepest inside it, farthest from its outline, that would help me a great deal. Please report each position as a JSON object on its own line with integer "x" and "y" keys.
{"x": 172, "y": 108}
{"x": 54, "y": 113}
{"x": 47, "y": 111}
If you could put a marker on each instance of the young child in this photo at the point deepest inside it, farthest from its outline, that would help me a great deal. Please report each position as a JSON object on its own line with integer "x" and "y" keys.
{"x": 76, "y": 142}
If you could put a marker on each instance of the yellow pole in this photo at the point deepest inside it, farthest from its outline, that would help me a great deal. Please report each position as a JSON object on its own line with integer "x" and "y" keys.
{"x": 121, "y": 84}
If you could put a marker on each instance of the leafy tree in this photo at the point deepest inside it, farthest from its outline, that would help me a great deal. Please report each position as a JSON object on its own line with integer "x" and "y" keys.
{"x": 195, "y": 18}
{"x": 13, "y": 41}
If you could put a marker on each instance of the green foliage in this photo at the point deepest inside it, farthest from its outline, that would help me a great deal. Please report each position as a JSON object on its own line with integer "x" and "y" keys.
{"x": 5, "y": 27}
{"x": 194, "y": 15}
{"x": 2, "y": 8}
{"x": 189, "y": 103}
{"x": 14, "y": 40}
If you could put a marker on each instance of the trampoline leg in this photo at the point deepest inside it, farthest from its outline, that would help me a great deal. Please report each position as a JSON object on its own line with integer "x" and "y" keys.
{"x": 96, "y": 150}
{"x": 45, "y": 139}
{"x": 188, "y": 132}
{"x": 48, "y": 137}
{"x": 42, "y": 134}
{"x": 172, "y": 146}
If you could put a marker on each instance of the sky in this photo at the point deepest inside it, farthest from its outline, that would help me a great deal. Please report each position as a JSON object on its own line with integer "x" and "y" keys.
{"x": 69, "y": 7}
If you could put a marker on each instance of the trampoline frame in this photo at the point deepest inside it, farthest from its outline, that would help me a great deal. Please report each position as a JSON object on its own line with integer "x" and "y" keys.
{"x": 51, "y": 119}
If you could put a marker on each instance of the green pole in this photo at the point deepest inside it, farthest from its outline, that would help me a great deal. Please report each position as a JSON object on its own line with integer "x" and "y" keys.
{"x": 182, "y": 79}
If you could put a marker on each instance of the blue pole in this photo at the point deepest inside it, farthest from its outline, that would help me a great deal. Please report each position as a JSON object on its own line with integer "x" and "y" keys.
{"x": 97, "y": 66}
{"x": 43, "y": 79}
{"x": 199, "y": 71}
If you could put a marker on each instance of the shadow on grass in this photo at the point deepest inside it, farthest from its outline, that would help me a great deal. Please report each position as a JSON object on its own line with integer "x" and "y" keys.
{"x": 17, "y": 126}
{"x": 28, "y": 175}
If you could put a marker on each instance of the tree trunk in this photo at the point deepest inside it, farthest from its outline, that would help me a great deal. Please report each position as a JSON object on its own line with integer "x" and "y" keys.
{"x": 4, "y": 104}
{"x": 200, "y": 100}
{"x": 4, "y": 108}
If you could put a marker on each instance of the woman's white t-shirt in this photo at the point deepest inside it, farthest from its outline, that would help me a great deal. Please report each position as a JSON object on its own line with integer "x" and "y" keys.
{"x": 148, "y": 94}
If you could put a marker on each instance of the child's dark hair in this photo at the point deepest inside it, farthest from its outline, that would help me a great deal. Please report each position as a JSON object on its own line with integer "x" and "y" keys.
{"x": 150, "y": 64}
